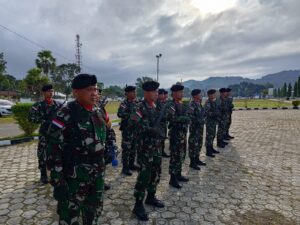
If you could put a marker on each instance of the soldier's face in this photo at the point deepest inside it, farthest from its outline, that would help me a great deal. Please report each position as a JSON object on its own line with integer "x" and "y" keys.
{"x": 131, "y": 95}
{"x": 151, "y": 95}
{"x": 197, "y": 98}
{"x": 88, "y": 95}
{"x": 178, "y": 95}
{"x": 212, "y": 97}
{"x": 161, "y": 97}
{"x": 165, "y": 97}
{"x": 48, "y": 94}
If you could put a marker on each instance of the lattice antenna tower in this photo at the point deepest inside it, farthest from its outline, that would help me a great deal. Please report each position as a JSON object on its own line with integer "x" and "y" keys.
{"x": 78, "y": 55}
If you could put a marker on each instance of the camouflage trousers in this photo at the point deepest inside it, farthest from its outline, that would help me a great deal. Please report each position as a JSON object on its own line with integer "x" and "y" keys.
{"x": 228, "y": 124}
{"x": 88, "y": 206}
{"x": 211, "y": 126}
{"x": 222, "y": 128}
{"x": 41, "y": 152}
{"x": 178, "y": 144}
{"x": 162, "y": 143}
{"x": 149, "y": 173}
{"x": 195, "y": 140}
{"x": 128, "y": 147}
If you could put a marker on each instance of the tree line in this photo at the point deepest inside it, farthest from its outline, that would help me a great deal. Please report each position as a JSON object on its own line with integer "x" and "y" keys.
{"x": 288, "y": 91}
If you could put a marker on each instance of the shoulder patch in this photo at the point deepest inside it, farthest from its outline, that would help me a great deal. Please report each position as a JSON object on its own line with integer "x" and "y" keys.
{"x": 139, "y": 114}
{"x": 58, "y": 123}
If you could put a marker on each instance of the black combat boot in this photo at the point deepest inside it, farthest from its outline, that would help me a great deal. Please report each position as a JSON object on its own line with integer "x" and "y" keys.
{"x": 152, "y": 200}
{"x": 164, "y": 154}
{"x": 44, "y": 177}
{"x": 230, "y": 137}
{"x": 182, "y": 178}
{"x": 87, "y": 218}
{"x": 106, "y": 187}
{"x": 209, "y": 152}
{"x": 214, "y": 151}
{"x": 194, "y": 165}
{"x": 126, "y": 171}
{"x": 224, "y": 142}
{"x": 199, "y": 162}
{"x": 226, "y": 138}
{"x": 140, "y": 211}
{"x": 220, "y": 144}
{"x": 174, "y": 182}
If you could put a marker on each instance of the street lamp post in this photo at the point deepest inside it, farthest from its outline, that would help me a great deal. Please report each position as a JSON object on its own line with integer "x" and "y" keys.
{"x": 157, "y": 57}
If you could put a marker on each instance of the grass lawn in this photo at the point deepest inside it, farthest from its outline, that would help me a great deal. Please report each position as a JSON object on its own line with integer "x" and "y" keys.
{"x": 19, "y": 136}
{"x": 112, "y": 107}
{"x": 259, "y": 103}
{"x": 7, "y": 119}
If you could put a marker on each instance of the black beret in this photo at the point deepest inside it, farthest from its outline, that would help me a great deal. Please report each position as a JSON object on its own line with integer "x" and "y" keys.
{"x": 177, "y": 87}
{"x": 195, "y": 92}
{"x": 47, "y": 87}
{"x": 161, "y": 91}
{"x": 84, "y": 80}
{"x": 228, "y": 89}
{"x": 129, "y": 88}
{"x": 211, "y": 91}
{"x": 150, "y": 85}
{"x": 222, "y": 90}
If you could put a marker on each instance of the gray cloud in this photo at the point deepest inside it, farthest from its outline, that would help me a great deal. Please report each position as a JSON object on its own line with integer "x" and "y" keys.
{"x": 120, "y": 39}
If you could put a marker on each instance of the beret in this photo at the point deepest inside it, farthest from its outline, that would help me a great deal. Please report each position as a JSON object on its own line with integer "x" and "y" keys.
{"x": 177, "y": 87}
{"x": 222, "y": 90}
{"x": 150, "y": 85}
{"x": 211, "y": 91}
{"x": 161, "y": 91}
{"x": 228, "y": 89}
{"x": 84, "y": 80}
{"x": 129, "y": 88}
{"x": 47, "y": 87}
{"x": 195, "y": 92}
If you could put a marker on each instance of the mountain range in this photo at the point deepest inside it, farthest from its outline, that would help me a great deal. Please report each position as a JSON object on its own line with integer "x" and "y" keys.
{"x": 277, "y": 79}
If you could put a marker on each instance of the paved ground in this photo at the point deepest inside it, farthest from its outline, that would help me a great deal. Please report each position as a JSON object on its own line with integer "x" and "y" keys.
{"x": 254, "y": 181}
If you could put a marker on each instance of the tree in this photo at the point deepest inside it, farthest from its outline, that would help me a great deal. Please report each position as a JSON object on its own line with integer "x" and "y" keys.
{"x": 139, "y": 83}
{"x": 289, "y": 91}
{"x": 275, "y": 93}
{"x": 45, "y": 61}
{"x": 34, "y": 81}
{"x": 284, "y": 90}
{"x": 296, "y": 89}
{"x": 2, "y": 64}
{"x": 113, "y": 91}
{"x": 62, "y": 77}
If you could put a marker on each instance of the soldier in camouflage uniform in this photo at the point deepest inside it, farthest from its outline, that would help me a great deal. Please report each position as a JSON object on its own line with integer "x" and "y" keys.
{"x": 178, "y": 126}
{"x": 230, "y": 106}
{"x": 212, "y": 116}
{"x": 223, "y": 119}
{"x": 161, "y": 104}
{"x": 75, "y": 155}
{"x": 146, "y": 118}
{"x": 196, "y": 113}
{"x": 42, "y": 113}
{"x": 128, "y": 133}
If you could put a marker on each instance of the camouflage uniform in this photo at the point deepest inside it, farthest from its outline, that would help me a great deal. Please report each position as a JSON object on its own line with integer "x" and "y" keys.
{"x": 42, "y": 113}
{"x": 163, "y": 124}
{"x": 178, "y": 127}
{"x": 230, "y": 106}
{"x": 128, "y": 133}
{"x": 148, "y": 150}
{"x": 223, "y": 119}
{"x": 76, "y": 160}
{"x": 212, "y": 117}
{"x": 196, "y": 113}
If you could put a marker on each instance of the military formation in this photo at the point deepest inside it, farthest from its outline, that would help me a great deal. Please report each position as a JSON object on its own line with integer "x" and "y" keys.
{"x": 77, "y": 142}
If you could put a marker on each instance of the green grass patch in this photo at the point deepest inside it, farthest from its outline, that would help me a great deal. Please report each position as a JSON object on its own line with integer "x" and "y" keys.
{"x": 7, "y": 119}
{"x": 112, "y": 107}
{"x": 259, "y": 103}
{"x": 19, "y": 137}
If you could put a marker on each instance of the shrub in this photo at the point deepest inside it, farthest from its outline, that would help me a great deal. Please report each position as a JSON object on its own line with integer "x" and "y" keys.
{"x": 296, "y": 103}
{"x": 20, "y": 112}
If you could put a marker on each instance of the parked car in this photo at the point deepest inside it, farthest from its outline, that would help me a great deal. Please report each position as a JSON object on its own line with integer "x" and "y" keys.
{"x": 5, "y": 107}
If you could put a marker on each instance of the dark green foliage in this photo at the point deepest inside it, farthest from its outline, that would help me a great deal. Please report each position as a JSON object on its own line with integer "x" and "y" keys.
{"x": 296, "y": 103}
{"x": 20, "y": 113}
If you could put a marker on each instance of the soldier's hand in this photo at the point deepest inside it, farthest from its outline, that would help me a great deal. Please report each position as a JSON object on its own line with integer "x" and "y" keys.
{"x": 60, "y": 193}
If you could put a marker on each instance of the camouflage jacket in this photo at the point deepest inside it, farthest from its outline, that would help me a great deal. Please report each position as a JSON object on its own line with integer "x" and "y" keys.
{"x": 223, "y": 107}
{"x": 177, "y": 116}
{"x": 144, "y": 119}
{"x": 211, "y": 110}
{"x": 42, "y": 113}
{"x": 75, "y": 147}
{"x": 196, "y": 113}
{"x": 125, "y": 110}
{"x": 162, "y": 106}
{"x": 230, "y": 104}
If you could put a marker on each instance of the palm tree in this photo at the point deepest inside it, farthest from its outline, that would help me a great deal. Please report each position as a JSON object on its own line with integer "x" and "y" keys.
{"x": 45, "y": 61}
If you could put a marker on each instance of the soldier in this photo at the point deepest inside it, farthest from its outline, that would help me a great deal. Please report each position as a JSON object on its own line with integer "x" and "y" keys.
{"x": 161, "y": 104}
{"x": 231, "y": 106}
{"x": 196, "y": 112}
{"x": 212, "y": 116}
{"x": 128, "y": 133}
{"x": 146, "y": 118}
{"x": 42, "y": 113}
{"x": 223, "y": 119}
{"x": 178, "y": 127}
{"x": 75, "y": 153}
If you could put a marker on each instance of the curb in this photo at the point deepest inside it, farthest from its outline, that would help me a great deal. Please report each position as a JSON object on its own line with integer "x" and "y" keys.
{"x": 283, "y": 108}
{"x": 22, "y": 140}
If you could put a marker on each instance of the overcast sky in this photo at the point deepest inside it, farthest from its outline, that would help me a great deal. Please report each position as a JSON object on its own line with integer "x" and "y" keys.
{"x": 197, "y": 38}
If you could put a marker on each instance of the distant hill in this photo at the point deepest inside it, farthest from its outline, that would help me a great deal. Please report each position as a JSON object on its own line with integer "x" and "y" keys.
{"x": 277, "y": 79}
